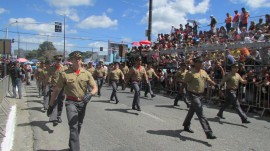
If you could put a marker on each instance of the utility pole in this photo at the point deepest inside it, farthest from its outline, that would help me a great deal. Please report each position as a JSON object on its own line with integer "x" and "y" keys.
{"x": 149, "y": 32}
{"x": 64, "y": 38}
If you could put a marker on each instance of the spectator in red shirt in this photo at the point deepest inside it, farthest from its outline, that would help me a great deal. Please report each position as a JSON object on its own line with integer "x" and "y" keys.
{"x": 244, "y": 18}
{"x": 228, "y": 22}
{"x": 236, "y": 20}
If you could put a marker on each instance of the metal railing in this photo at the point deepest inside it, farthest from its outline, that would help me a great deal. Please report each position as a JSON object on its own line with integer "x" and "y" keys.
{"x": 5, "y": 88}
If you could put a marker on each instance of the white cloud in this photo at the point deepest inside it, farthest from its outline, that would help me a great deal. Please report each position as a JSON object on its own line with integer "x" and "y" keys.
{"x": 31, "y": 24}
{"x": 2, "y": 10}
{"x": 71, "y": 3}
{"x": 97, "y": 45}
{"x": 253, "y": 4}
{"x": 70, "y": 13}
{"x": 203, "y": 21}
{"x": 102, "y": 21}
{"x": 109, "y": 10}
{"x": 173, "y": 12}
{"x": 130, "y": 13}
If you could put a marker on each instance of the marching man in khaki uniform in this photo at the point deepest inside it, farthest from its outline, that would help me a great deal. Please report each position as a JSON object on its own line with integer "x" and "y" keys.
{"x": 46, "y": 84}
{"x": 91, "y": 68}
{"x": 54, "y": 73}
{"x": 179, "y": 79}
{"x": 151, "y": 74}
{"x": 100, "y": 75}
{"x": 114, "y": 77}
{"x": 232, "y": 81}
{"x": 75, "y": 81}
{"x": 195, "y": 80}
{"x": 38, "y": 74}
{"x": 125, "y": 70}
{"x": 136, "y": 74}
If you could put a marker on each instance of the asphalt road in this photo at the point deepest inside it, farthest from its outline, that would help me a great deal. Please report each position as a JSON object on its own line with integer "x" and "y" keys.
{"x": 116, "y": 127}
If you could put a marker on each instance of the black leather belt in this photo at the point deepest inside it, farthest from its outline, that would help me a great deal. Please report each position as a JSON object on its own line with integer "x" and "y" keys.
{"x": 195, "y": 93}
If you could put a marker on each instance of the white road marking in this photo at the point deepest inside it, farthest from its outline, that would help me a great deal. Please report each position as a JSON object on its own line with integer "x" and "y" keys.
{"x": 152, "y": 116}
{"x": 10, "y": 128}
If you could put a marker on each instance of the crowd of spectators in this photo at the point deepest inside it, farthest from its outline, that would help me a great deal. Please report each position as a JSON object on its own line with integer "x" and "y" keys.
{"x": 235, "y": 29}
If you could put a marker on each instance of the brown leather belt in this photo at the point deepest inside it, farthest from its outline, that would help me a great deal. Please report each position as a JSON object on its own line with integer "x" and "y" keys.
{"x": 73, "y": 98}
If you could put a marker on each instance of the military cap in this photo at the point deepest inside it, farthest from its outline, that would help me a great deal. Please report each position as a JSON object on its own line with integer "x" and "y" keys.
{"x": 235, "y": 64}
{"x": 90, "y": 62}
{"x": 56, "y": 57}
{"x": 100, "y": 62}
{"x": 76, "y": 54}
{"x": 42, "y": 62}
{"x": 198, "y": 59}
{"x": 116, "y": 62}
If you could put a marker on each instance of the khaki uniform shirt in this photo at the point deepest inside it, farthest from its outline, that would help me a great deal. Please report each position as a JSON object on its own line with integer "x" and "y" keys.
{"x": 180, "y": 75}
{"x": 232, "y": 81}
{"x": 54, "y": 73}
{"x": 91, "y": 70}
{"x": 125, "y": 70}
{"x": 151, "y": 73}
{"x": 115, "y": 74}
{"x": 100, "y": 73}
{"x": 38, "y": 74}
{"x": 45, "y": 76}
{"x": 196, "y": 80}
{"x": 75, "y": 85}
{"x": 136, "y": 74}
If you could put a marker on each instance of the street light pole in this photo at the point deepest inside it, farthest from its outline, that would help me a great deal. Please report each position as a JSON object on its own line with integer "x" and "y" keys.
{"x": 149, "y": 33}
{"x": 64, "y": 38}
{"x": 5, "y": 55}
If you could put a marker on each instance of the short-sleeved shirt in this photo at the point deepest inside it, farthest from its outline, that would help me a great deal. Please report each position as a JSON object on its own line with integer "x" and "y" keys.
{"x": 91, "y": 70}
{"x": 196, "y": 80}
{"x": 151, "y": 73}
{"x": 100, "y": 73}
{"x": 232, "y": 81}
{"x": 136, "y": 74}
{"x": 75, "y": 85}
{"x": 54, "y": 73}
{"x": 125, "y": 70}
{"x": 180, "y": 75}
{"x": 115, "y": 74}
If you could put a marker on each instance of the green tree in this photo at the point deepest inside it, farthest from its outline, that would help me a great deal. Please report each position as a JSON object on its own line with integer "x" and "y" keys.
{"x": 46, "y": 50}
{"x": 31, "y": 55}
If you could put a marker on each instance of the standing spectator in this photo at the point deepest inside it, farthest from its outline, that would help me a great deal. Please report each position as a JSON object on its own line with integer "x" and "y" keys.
{"x": 195, "y": 28}
{"x": 213, "y": 24}
{"x": 28, "y": 73}
{"x": 228, "y": 22}
{"x": 267, "y": 20}
{"x": 243, "y": 18}
{"x": 16, "y": 77}
{"x": 236, "y": 20}
{"x": 260, "y": 25}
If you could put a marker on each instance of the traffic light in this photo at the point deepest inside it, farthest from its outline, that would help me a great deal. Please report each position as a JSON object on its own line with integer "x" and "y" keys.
{"x": 13, "y": 40}
{"x": 101, "y": 48}
{"x": 58, "y": 27}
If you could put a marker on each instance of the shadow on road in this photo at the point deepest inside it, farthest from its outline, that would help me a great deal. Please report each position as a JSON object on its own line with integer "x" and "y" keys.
{"x": 177, "y": 133}
{"x": 40, "y": 109}
{"x": 216, "y": 119}
{"x": 122, "y": 110}
{"x": 170, "y": 106}
{"x": 40, "y": 124}
{"x": 35, "y": 101}
{"x": 101, "y": 101}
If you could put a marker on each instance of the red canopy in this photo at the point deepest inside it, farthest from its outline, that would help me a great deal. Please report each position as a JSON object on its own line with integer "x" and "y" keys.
{"x": 22, "y": 60}
{"x": 145, "y": 42}
{"x": 136, "y": 43}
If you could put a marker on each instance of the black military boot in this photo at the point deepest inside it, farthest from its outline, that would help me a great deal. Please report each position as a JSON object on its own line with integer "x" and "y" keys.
{"x": 209, "y": 135}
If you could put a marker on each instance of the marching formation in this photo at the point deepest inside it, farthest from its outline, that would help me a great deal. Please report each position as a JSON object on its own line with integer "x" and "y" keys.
{"x": 76, "y": 83}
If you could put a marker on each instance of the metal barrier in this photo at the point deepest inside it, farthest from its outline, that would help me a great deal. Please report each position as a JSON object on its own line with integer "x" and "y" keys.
{"x": 5, "y": 85}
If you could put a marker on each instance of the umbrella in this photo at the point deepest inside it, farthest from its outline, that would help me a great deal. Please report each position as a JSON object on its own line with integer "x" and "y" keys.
{"x": 22, "y": 60}
{"x": 145, "y": 42}
{"x": 136, "y": 43}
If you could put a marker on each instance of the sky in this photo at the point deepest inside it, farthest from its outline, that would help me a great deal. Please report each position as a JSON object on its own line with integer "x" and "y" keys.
{"x": 90, "y": 24}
